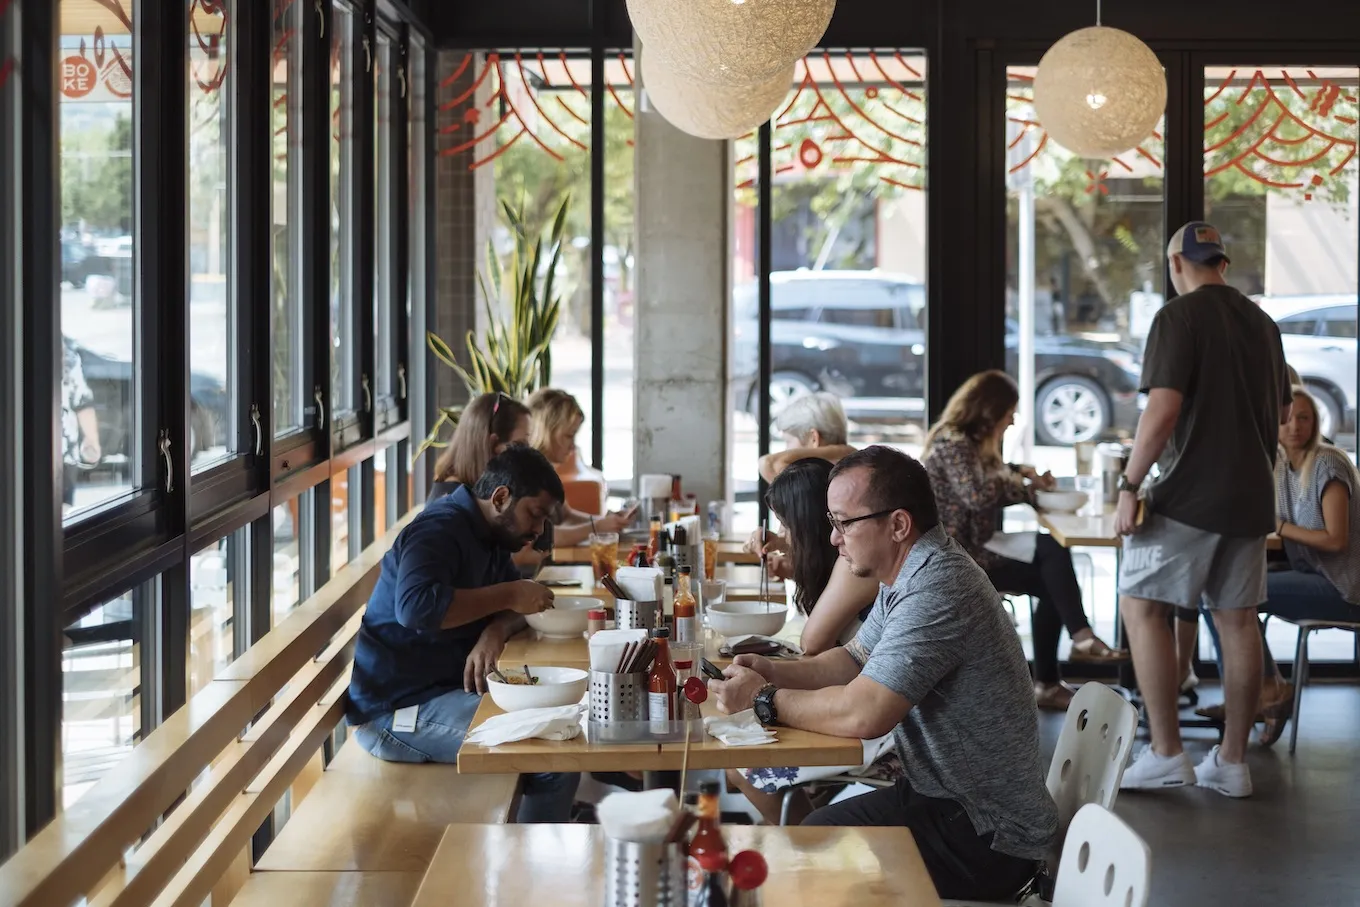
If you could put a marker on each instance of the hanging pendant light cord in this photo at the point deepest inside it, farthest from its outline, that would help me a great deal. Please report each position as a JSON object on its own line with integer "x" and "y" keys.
{"x": 1097, "y": 12}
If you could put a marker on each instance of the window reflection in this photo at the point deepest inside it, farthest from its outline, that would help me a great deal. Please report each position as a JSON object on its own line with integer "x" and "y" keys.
{"x": 99, "y": 394}
{"x": 292, "y": 541}
{"x": 211, "y": 334}
{"x": 343, "y": 494}
{"x": 343, "y": 378}
{"x": 101, "y": 691}
{"x": 290, "y": 397}
{"x": 213, "y": 612}
{"x": 385, "y": 201}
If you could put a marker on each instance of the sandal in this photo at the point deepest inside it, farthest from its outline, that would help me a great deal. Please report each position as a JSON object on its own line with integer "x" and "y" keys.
{"x": 1053, "y": 697}
{"x": 1092, "y": 650}
{"x": 1276, "y": 716}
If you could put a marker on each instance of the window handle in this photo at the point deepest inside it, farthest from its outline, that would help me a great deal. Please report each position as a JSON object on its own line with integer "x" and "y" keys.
{"x": 320, "y": 408}
{"x": 321, "y": 17}
{"x": 368, "y": 394}
{"x": 401, "y": 379}
{"x": 164, "y": 445}
{"x": 368, "y": 55}
{"x": 259, "y": 433}
{"x": 401, "y": 76}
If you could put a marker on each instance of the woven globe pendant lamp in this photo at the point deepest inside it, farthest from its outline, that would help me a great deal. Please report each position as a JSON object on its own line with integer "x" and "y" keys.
{"x": 729, "y": 42}
{"x": 1099, "y": 92}
{"x": 711, "y": 111}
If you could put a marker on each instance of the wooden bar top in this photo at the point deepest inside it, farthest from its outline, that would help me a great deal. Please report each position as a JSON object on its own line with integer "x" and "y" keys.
{"x": 578, "y": 755}
{"x": 563, "y": 865}
{"x": 794, "y": 747}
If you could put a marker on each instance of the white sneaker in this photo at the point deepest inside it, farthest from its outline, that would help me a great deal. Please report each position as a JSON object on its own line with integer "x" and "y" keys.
{"x": 1229, "y": 779}
{"x": 1151, "y": 771}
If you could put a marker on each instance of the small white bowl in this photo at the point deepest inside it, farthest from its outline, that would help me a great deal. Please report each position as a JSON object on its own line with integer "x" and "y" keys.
{"x": 556, "y": 686}
{"x": 747, "y": 618}
{"x": 1060, "y": 501}
{"x": 566, "y": 619}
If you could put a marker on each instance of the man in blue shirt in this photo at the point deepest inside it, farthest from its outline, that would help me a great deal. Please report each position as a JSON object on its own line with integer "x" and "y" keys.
{"x": 446, "y": 601}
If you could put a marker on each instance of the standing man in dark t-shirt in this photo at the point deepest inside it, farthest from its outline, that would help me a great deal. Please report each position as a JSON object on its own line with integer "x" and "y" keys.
{"x": 1218, "y": 390}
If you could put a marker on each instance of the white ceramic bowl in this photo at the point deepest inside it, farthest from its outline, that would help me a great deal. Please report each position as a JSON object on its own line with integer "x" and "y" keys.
{"x": 745, "y": 618}
{"x": 566, "y": 619}
{"x": 1060, "y": 501}
{"x": 556, "y": 686}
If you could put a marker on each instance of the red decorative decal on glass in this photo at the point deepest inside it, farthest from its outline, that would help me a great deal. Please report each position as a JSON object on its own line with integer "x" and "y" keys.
{"x": 208, "y": 22}
{"x": 1290, "y": 130}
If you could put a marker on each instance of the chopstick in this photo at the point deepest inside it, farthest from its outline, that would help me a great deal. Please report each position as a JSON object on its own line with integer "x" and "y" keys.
{"x": 684, "y": 821}
{"x": 764, "y": 568}
{"x": 612, "y": 586}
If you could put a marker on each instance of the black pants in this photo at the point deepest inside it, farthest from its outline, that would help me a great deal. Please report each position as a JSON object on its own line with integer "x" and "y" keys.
{"x": 961, "y": 862}
{"x": 1052, "y": 580}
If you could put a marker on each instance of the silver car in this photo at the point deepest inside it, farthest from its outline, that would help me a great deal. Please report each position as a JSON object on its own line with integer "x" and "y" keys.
{"x": 1319, "y": 335}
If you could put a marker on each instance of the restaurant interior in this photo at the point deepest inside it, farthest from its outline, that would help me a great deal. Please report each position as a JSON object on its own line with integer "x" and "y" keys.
{"x": 378, "y": 281}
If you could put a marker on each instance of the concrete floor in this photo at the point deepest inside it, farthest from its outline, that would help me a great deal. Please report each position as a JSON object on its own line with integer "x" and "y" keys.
{"x": 1292, "y": 843}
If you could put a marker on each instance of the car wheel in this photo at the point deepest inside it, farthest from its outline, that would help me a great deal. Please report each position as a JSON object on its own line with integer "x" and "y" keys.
{"x": 785, "y": 387}
{"x": 1070, "y": 409}
{"x": 1328, "y": 410}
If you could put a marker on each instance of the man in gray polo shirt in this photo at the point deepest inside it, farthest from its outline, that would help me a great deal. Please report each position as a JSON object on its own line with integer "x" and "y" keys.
{"x": 938, "y": 664}
{"x": 1218, "y": 391}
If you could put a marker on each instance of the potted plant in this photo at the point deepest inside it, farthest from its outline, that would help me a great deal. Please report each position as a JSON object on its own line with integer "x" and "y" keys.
{"x": 513, "y": 356}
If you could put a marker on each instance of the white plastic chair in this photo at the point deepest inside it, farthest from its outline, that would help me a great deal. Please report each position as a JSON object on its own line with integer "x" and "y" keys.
{"x": 1104, "y": 862}
{"x": 1306, "y": 629}
{"x": 1089, "y": 760}
{"x": 1092, "y": 751}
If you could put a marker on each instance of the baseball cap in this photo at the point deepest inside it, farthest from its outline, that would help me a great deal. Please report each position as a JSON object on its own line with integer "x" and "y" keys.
{"x": 1199, "y": 242}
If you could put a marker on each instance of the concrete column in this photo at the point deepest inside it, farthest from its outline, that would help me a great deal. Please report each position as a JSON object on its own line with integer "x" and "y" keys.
{"x": 684, "y": 201}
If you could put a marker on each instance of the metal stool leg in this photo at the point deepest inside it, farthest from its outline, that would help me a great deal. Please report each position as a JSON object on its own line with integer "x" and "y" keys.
{"x": 786, "y": 806}
{"x": 1300, "y": 678}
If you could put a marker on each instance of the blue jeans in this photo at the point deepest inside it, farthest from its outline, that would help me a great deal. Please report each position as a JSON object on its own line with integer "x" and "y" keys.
{"x": 1295, "y": 595}
{"x": 441, "y": 725}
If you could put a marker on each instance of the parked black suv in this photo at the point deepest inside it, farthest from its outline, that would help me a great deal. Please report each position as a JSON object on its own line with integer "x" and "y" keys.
{"x": 861, "y": 336}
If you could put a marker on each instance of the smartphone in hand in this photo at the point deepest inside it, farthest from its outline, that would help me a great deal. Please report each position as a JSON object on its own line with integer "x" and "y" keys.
{"x": 710, "y": 669}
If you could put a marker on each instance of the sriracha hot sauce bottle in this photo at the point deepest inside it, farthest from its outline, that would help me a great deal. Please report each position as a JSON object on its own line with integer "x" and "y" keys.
{"x": 661, "y": 683}
{"x": 685, "y": 609}
{"x": 708, "y": 852}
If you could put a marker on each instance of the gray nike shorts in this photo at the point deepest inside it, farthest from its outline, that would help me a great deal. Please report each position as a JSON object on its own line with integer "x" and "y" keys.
{"x": 1170, "y": 562}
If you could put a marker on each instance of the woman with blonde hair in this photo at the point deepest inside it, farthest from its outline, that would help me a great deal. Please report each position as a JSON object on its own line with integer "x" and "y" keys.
{"x": 554, "y": 420}
{"x": 1319, "y": 523}
{"x": 972, "y": 486}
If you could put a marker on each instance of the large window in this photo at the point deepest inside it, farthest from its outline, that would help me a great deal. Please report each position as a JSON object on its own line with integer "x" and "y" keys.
{"x": 1085, "y": 252}
{"x": 101, "y": 716}
{"x": 848, "y": 253}
{"x": 526, "y": 126}
{"x": 285, "y": 205}
{"x": 1282, "y": 184}
{"x": 212, "y": 334}
{"x": 100, "y": 399}
{"x": 384, "y": 234}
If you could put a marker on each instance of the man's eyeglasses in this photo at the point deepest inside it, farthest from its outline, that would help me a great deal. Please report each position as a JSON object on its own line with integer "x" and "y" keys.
{"x": 840, "y": 525}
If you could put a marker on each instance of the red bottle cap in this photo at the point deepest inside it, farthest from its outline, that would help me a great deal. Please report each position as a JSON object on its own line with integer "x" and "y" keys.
{"x": 748, "y": 870}
{"x": 597, "y": 614}
{"x": 696, "y": 691}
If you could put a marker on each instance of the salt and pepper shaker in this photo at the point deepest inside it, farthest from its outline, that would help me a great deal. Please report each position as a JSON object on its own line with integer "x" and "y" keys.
{"x": 595, "y": 620}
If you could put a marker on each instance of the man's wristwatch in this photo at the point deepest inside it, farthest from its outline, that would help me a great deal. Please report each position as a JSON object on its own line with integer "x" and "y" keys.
{"x": 766, "y": 713}
{"x": 1126, "y": 485}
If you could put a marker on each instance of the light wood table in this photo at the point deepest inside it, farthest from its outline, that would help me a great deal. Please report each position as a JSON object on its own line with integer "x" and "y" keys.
{"x": 563, "y": 865}
{"x": 579, "y": 755}
{"x": 1073, "y": 530}
{"x": 743, "y": 583}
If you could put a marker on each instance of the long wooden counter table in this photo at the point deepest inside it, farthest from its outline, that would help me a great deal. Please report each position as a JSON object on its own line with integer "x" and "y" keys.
{"x": 580, "y": 755}
{"x": 513, "y": 865}
{"x": 743, "y": 583}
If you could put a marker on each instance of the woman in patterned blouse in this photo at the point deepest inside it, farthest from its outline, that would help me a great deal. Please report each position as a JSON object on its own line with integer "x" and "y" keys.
{"x": 972, "y": 486}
